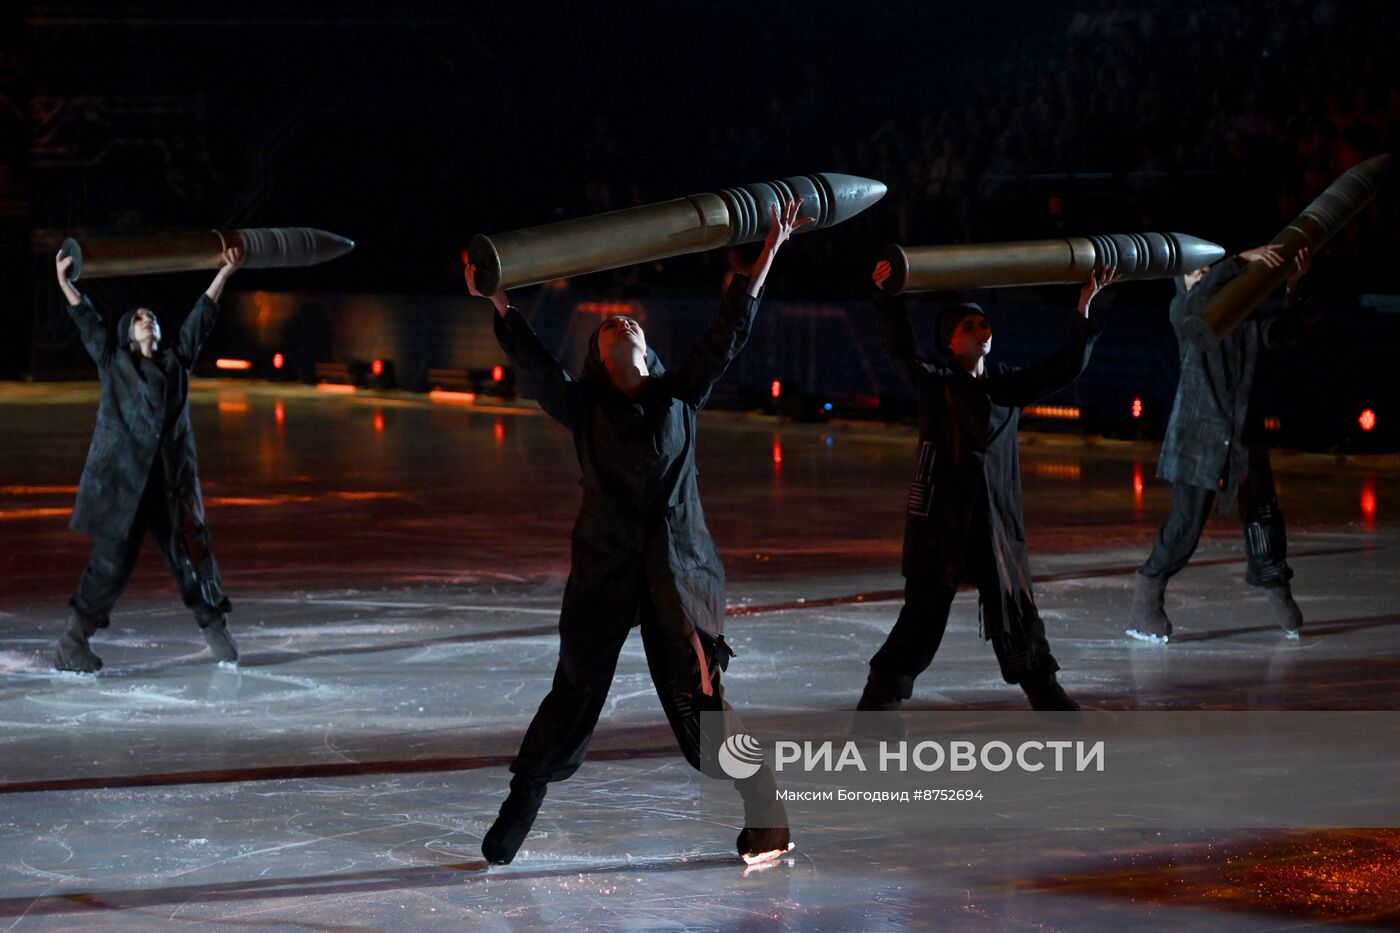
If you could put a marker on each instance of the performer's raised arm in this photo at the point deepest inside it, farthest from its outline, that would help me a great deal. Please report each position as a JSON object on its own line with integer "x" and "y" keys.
{"x": 200, "y": 322}
{"x": 727, "y": 334}
{"x": 558, "y": 391}
{"x": 91, "y": 327}
{"x": 1022, "y": 387}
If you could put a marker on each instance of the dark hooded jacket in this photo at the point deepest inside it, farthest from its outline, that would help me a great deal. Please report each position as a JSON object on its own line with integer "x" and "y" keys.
{"x": 143, "y": 425}
{"x": 640, "y": 518}
{"x": 1213, "y": 417}
{"x": 967, "y": 480}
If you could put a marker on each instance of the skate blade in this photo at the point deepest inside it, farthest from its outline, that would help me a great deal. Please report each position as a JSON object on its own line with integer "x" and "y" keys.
{"x": 228, "y": 665}
{"x": 771, "y": 855}
{"x": 66, "y": 674}
{"x": 1147, "y": 637}
{"x": 1293, "y": 636}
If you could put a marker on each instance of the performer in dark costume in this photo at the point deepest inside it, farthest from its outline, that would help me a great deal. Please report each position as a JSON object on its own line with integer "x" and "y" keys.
{"x": 964, "y": 520}
{"x": 141, "y": 473}
{"x": 641, "y": 554}
{"x": 1214, "y": 447}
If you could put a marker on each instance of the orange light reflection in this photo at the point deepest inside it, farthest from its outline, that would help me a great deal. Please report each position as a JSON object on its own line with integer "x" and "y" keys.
{"x": 447, "y": 397}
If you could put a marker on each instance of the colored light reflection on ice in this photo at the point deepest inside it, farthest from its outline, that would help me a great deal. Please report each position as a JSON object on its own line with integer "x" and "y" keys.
{"x": 378, "y": 421}
{"x": 1368, "y": 502}
{"x": 1339, "y": 875}
{"x": 498, "y": 431}
{"x": 233, "y": 405}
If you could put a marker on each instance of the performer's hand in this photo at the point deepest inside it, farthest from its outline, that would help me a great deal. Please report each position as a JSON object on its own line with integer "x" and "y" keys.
{"x": 63, "y": 265}
{"x": 499, "y": 299}
{"x": 1098, "y": 281}
{"x": 1302, "y": 263}
{"x": 881, "y": 274}
{"x": 1268, "y": 255}
{"x": 784, "y": 224}
{"x": 233, "y": 258}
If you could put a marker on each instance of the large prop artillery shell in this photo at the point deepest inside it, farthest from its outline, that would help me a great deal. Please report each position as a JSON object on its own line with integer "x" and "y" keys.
{"x": 1045, "y": 262}
{"x": 655, "y": 231}
{"x": 1319, "y": 222}
{"x": 263, "y": 248}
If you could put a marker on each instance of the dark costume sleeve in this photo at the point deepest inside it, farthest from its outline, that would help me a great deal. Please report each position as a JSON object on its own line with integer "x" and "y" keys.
{"x": 558, "y": 391}
{"x": 93, "y": 330}
{"x": 898, "y": 336}
{"x": 1018, "y": 387}
{"x": 1277, "y": 328}
{"x": 707, "y": 360}
{"x": 196, "y": 329}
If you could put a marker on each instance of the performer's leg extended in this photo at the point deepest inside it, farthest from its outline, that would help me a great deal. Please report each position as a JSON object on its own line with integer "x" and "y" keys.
{"x": 106, "y": 575}
{"x": 674, "y": 662}
{"x": 1176, "y": 542}
{"x": 1022, "y": 650}
{"x": 910, "y": 646}
{"x": 186, "y": 552}
{"x": 1266, "y": 541}
{"x": 557, "y": 739}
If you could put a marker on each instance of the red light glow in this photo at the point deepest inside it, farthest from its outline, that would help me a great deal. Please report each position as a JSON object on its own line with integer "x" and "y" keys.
{"x": 1137, "y": 408}
{"x": 1058, "y": 412}
{"x": 498, "y": 373}
{"x": 1367, "y": 420}
{"x": 277, "y": 361}
{"x": 1368, "y": 502}
{"x": 238, "y": 365}
{"x": 776, "y": 389}
{"x": 377, "y": 368}
{"x": 607, "y": 308}
{"x": 498, "y": 431}
{"x": 379, "y": 422}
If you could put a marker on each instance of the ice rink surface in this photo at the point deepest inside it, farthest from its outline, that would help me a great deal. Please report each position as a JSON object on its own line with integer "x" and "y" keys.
{"x": 396, "y": 570}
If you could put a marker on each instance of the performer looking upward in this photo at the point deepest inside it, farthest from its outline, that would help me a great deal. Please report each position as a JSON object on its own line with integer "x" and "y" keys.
{"x": 641, "y": 554}
{"x": 141, "y": 473}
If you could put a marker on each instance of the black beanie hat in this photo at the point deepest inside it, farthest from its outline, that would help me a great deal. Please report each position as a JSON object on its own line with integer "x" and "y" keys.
{"x": 948, "y": 319}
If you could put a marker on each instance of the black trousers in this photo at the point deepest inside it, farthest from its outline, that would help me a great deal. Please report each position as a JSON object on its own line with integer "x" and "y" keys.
{"x": 589, "y": 645}
{"x": 185, "y": 552}
{"x": 1265, "y": 537}
{"x": 1018, "y": 640}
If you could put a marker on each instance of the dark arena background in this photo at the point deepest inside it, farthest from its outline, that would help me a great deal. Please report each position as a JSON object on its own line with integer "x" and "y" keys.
{"x": 392, "y": 511}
